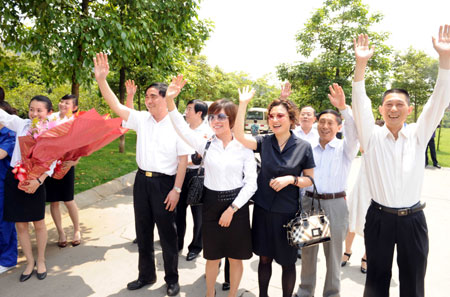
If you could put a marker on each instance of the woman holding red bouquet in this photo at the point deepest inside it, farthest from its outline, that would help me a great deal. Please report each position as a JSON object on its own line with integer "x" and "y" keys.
{"x": 25, "y": 200}
{"x": 63, "y": 189}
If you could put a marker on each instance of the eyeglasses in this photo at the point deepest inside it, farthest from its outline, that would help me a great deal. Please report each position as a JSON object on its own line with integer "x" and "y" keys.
{"x": 221, "y": 117}
{"x": 278, "y": 116}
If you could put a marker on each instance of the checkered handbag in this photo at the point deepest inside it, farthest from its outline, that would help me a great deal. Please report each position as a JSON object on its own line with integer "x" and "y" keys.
{"x": 308, "y": 228}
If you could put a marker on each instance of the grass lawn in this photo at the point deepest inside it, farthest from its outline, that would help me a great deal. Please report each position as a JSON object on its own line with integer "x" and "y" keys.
{"x": 443, "y": 154}
{"x": 106, "y": 164}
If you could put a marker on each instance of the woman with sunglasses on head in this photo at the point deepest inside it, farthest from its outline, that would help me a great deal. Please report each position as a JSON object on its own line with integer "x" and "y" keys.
{"x": 27, "y": 204}
{"x": 230, "y": 181}
{"x": 284, "y": 158}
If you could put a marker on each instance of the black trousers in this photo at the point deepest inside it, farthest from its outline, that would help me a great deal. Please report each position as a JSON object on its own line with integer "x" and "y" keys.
{"x": 149, "y": 194}
{"x": 432, "y": 147}
{"x": 382, "y": 232}
{"x": 196, "y": 243}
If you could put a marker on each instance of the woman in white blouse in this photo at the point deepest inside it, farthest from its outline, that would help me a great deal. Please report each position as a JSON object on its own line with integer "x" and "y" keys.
{"x": 230, "y": 181}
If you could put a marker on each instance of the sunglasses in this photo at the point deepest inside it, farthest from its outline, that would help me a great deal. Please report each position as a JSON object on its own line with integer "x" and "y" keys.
{"x": 278, "y": 116}
{"x": 221, "y": 117}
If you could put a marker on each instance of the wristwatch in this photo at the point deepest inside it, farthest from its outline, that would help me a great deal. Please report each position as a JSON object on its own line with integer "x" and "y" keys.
{"x": 178, "y": 190}
{"x": 234, "y": 208}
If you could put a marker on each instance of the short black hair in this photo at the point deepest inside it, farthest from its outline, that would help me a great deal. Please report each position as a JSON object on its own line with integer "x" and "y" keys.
{"x": 332, "y": 111}
{"x": 161, "y": 87}
{"x": 45, "y": 100}
{"x": 397, "y": 91}
{"x": 199, "y": 105}
{"x": 72, "y": 97}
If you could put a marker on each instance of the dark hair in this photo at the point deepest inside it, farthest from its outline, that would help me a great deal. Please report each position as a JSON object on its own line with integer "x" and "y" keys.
{"x": 396, "y": 91}
{"x": 199, "y": 105}
{"x": 45, "y": 100}
{"x": 72, "y": 97}
{"x": 291, "y": 108}
{"x": 255, "y": 121}
{"x": 161, "y": 87}
{"x": 2, "y": 94}
{"x": 332, "y": 111}
{"x": 6, "y": 107}
{"x": 314, "y": 110}
{"x": 228, "y": 106}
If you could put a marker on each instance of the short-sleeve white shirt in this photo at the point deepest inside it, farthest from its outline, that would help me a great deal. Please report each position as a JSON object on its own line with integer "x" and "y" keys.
{"x": 158, "y": 145}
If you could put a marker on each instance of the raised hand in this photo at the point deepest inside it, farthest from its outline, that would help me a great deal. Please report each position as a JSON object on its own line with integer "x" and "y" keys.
{"x": 442, "y": 46}
{"x": 285, "y": 91}
{"x": 175, "y": 87}
{"x": 131, "y": 87}
{"x": 337, "y": 97}
{"x": 101, "y": 66}
{"x": 362, "y": 50}
{"x": 245, "y": 94}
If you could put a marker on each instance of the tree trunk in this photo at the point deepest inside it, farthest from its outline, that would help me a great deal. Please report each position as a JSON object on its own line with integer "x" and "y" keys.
{"x": 75, "y": 86}
{"x": 122, "y": 100}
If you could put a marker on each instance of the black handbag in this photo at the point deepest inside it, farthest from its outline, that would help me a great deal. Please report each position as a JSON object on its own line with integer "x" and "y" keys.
{"x": 195, "y": 185}
{"x": 308, "y": 228}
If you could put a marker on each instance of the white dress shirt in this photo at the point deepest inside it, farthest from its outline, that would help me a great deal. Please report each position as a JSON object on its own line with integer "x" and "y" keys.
{"x": 225, "y": 168}
{"x": 395, "y": 168}
{"x": 21, "y": 127}
{"x": 158, "y": 145}
{"x": 205, "y": 131}
{"x": 312, "y": 137}
{"x": 334, "y": 161}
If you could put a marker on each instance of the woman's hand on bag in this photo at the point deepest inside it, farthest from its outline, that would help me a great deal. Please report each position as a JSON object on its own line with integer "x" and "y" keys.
{"x": 226, "y": 217}
{"x": 281, "y": 182}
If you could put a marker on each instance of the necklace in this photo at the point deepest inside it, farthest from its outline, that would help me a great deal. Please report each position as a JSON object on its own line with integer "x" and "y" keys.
{"x": 283, "y": 144}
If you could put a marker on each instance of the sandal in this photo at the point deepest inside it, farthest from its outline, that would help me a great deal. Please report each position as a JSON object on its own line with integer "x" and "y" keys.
{"x": 344, "y": 262}
{"x": 76, "y": 242}
{"x": 62, "y": 244}
{"x": 363, "y": 270}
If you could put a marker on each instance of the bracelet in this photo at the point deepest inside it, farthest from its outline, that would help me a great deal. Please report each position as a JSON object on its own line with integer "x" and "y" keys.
{"x": 39, "y": 181}
{"x": 295, "y": 180}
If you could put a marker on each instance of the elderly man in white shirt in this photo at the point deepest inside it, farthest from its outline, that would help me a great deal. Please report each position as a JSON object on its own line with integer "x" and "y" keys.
{"x": 333, "y": 158}
{"x": 394, "y": 158}
{"x": 162, "y": 158}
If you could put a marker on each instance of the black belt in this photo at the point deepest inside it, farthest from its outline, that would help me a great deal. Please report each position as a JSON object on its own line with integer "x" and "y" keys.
{"x": 326, "y": 195}
{"x": 401, "y": 212}
{"x": 151, "y": 173}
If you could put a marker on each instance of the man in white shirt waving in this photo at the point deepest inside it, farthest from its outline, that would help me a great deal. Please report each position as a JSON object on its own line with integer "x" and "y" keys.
{"x": 394, "y": 162}
{"x": 161, "y": 157}
{"x": 333, "y": 158}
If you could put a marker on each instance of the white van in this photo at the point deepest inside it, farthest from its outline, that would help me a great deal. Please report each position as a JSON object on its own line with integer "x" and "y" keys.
{"x": 260, "y": 115}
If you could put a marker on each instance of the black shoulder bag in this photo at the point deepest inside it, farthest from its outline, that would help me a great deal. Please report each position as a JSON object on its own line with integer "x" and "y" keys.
{"x": 195, "y": 185}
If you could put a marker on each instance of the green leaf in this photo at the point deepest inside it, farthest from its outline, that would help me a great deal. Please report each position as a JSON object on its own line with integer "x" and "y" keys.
{"x": 100, "y": 32}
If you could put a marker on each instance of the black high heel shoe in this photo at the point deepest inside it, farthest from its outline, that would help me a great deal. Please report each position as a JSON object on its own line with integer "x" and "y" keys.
{"x": 343, "y": 263}
{"x": 25, "y": 277}
{"x": 363, "y": 270}
{"x": 42, "y": 275}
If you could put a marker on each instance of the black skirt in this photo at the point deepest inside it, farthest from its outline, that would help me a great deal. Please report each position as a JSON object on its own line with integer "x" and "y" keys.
{"x": 20, "y": 206}
{"x": 61, "y": 189}
{"x": 270, "y": 237}
{"x": 218, "y": 242}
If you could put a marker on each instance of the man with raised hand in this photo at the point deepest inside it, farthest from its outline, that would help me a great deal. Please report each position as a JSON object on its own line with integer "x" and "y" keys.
{"x": 394, "y": 161}
{"x": 161, "y": 156}
{"x": 333, "y": 158}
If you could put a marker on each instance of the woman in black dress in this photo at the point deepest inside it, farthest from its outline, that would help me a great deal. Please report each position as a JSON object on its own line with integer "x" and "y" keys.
{"x": 63, "y": 189}
{"x": 284, "y": 158}
{"x": 230, "y": 181}
{"x": 27, "y": 204}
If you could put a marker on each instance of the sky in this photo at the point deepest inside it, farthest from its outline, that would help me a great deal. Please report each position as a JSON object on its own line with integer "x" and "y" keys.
{"x": 255, "y": 36}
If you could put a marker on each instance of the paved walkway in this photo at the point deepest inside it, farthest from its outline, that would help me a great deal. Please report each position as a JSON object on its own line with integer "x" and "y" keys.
{"x": 107, "y": 259}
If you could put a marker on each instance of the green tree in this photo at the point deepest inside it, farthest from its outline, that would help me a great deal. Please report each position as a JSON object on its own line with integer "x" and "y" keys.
{"x": 415, "y": 72}
{"x": 327, "y": 40}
